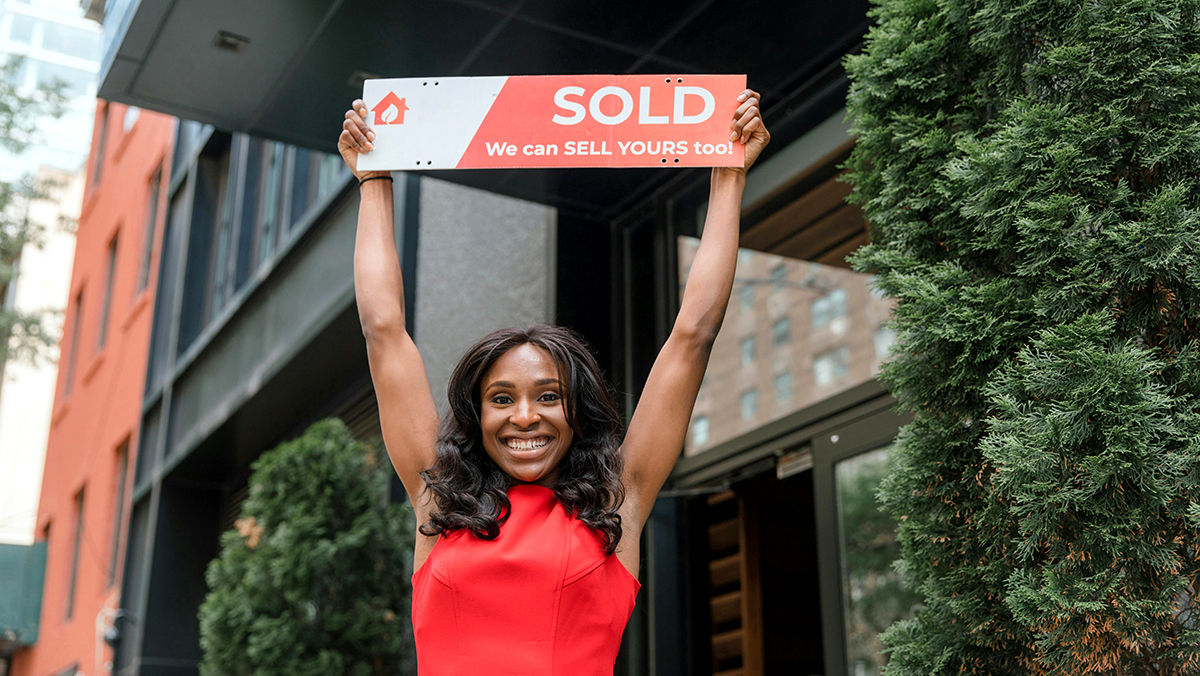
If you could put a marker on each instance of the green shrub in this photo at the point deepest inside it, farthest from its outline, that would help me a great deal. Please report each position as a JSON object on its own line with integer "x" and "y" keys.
{"x": 314, "y": 579}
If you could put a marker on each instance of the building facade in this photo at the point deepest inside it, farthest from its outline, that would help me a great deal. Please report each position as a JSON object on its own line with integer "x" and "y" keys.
{"x": 54, "y": 41}
{"x": 753, "y": 562}
{"x": 93, "y": 440}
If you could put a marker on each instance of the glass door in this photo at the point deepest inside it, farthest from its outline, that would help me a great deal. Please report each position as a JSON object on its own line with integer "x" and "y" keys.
{"x": 862, "y": 594}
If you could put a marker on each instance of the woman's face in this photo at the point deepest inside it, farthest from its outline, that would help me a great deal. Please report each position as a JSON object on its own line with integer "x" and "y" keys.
{"x": 524, "y": 424}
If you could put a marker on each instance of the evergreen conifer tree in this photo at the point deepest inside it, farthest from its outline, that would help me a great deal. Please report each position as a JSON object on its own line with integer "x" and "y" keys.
{"x": 1031, "y": 173}
{"x": 314, "y": 579}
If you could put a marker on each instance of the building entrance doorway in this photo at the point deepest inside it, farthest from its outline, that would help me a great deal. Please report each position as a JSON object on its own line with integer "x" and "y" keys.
{"x": 763, "y": 592}
{"x": 790, "y": 555}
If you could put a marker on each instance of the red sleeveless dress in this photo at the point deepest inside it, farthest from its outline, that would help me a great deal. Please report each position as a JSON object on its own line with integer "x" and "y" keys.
{"x": 542, "y": 599}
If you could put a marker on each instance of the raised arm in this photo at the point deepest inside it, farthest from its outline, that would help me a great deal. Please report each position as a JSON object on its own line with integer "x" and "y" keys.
{"x": 406, "y": 410}
{"x": 660, "y": 421}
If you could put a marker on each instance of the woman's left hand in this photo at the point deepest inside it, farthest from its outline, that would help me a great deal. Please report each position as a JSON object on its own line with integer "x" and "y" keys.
{"x": 747, "y": 126}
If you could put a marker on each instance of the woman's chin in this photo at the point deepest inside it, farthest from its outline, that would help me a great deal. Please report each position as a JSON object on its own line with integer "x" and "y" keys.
{"x": 526, "y": 474}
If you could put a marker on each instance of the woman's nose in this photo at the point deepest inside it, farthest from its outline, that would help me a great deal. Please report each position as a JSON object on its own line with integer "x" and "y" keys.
{"x": 524, "y": 415}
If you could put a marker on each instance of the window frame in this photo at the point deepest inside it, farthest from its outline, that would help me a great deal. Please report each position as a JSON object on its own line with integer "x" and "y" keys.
{"x": 150, "y": 228}
{"x": 119, "y": 492}
{"x": 73, "y": 346}
{"x": 110, "y": 281}
{"x": 77, "y": 544}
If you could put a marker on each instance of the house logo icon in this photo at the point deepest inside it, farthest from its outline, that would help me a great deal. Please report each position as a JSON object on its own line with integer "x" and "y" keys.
{"x": 390, "y": 110}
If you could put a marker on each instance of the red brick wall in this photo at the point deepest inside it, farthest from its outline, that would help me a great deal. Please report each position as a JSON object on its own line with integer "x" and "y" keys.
{"x": 102, "y": 411}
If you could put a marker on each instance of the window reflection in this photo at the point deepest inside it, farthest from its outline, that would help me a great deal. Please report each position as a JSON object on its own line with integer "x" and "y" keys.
{"x": 798, "y": 333}
{"x": 830, "y": 366}
{"x": 748, "y": 350}
{"x": 873, "y": 594}
{"x": 749, "y": 404}
{"x": 829, "y": 307}
{"x": 783, "y": 388}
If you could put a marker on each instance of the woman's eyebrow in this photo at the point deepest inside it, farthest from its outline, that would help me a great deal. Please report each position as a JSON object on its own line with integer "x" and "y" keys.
{"x": 548, "y": 381}
{"x": 499, "y": 383}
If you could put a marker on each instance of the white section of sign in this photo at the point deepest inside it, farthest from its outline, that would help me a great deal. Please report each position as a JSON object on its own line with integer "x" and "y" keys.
{"x": 440, "y": 117}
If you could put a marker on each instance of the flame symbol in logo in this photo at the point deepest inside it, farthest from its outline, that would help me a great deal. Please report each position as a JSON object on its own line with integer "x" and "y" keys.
{"x": 389, "y": 114}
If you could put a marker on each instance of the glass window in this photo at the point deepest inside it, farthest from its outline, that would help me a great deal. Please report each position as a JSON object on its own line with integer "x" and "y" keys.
{"x": 831, "y": 365}
{"x": 22, "y": 29}
{"x": 735, "y": 366}
{"x": 118, "y": 509}
{"x": 330, "y": 171}
{"x": 778, "y": 275}
{"x": 749, "y": 404}
{"x": 75, "y": 82}
{"x": 98, "y": 158}
{"x": 884, "y": 337}
{"x": 314, "y": 175}
{"x": 783, "y": 388}
{"x": 828, "y": 307}
{"x": 268, "y": 221}
{"x": 746, "y": 298}
{"x": 76, "y": 42}
{"x": 748, "y": 344}
{"x": 700, "y": 430}
{"x": 102, "y": 333}
{"x": 17, "y": 72}
{"x": 219, "y": 275}
{"x": 73, "y": 348}
{"x": 75, "y": 552}
{"x": 304, "y": 189}
{"x": 781, "y": 330}
{"x": 149, "y": 228}
{"x": 873, "y": 594}
{"x": 247, "y": 228}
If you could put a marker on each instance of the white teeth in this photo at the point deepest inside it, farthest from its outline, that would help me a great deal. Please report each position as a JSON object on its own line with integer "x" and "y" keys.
{"x": 526, "y": 444}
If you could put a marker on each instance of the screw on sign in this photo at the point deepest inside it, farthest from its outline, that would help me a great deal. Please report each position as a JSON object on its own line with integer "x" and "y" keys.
{"x": 550, "y": 121}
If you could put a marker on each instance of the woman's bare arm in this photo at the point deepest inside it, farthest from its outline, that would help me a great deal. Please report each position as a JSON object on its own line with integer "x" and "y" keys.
{"x": 406, "y": 410}
{"x": 659, "y": 425}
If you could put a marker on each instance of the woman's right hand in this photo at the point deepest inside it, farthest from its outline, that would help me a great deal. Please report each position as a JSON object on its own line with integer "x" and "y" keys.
{"x": 357, "y": 138}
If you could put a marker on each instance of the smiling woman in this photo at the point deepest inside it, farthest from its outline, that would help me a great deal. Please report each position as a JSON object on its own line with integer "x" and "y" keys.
{"x": 520, "y": 399}
{"x": 530, "y": 503}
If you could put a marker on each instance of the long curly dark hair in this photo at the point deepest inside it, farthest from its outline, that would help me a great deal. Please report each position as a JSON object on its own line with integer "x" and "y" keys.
{"x": 470, "y": 489}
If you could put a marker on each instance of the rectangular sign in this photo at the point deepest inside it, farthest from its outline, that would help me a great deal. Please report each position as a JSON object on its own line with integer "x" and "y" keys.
{"x": 552, "y": 121}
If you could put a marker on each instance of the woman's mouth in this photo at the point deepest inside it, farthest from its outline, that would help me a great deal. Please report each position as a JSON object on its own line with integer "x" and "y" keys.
{"x": 526, "y": 444}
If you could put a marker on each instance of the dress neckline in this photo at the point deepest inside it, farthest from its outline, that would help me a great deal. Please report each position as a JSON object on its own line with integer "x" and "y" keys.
{"x": 531, "y": 485}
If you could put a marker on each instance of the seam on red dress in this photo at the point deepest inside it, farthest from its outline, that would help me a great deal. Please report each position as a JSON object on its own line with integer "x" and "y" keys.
{"x": 562, "y": 574}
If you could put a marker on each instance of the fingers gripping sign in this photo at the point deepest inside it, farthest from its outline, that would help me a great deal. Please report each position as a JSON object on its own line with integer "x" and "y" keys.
{"x": 357, "y": 138}
{"x": 747, "y": 127}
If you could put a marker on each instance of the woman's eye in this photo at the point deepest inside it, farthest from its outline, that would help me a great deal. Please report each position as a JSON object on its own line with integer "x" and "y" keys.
{"x": 550, "y": 396}
{"x": 501, "y": 399}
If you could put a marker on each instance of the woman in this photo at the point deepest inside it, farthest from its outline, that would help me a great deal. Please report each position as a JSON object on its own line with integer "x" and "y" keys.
{"x": 528, "y": 552}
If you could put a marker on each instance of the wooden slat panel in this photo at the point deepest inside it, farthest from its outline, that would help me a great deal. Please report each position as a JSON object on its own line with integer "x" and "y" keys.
{"x": 727, "y": 607}
{"x": 827, "y": 233}
{"x": 806, "y": 209}
{"x": 727, "y": 645}
{"x": 723, "y": 535}
{"x": 725, "y": 571}
{"x": 837, "y": 257}
{"x": 751, "y": 596}
{"x": 718, "y": 498}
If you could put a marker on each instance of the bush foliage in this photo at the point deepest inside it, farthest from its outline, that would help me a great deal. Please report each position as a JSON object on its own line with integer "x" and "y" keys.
{"x": 1030, "y": 173}
{"x": 314, "y": 578}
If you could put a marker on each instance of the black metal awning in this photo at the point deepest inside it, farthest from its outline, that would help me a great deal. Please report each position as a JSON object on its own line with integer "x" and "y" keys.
{"x": 288, "y": 69}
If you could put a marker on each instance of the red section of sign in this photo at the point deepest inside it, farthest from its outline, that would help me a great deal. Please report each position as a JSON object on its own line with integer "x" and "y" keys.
{"x": 390, "y": 110}
{"x": 610, "y": 121}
